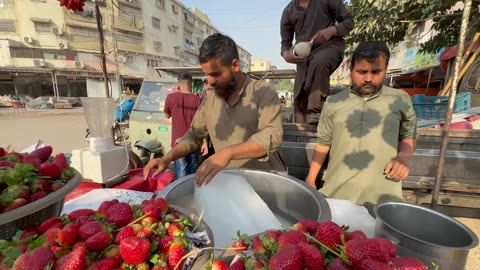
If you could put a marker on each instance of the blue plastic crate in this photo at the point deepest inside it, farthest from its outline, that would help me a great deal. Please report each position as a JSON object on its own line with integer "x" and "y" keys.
{"x": 435, "y": 107}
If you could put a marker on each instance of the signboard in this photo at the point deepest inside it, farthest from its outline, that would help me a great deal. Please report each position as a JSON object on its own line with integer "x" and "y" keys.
{"x": 413, "y": 60}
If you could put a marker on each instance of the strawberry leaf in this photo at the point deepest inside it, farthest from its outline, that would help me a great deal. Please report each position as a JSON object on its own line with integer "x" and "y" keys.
{"x": 154, "y": 246}
{"x": 12, "y": 253}
{"x": 154, "y": 259}
{"x": 40, "y": 241}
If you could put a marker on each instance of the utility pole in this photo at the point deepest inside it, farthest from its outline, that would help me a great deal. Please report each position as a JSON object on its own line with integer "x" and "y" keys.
{"x": 102, "y": 48}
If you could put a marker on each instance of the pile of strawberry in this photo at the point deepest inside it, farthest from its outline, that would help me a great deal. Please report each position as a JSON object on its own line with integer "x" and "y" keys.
{"x": 25, "y": 178}
{"x": 117, "y": 236}
{"x": 315, "y": 246}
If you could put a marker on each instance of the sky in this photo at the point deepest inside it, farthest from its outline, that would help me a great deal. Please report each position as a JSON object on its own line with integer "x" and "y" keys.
{"x": 253, "y": 24}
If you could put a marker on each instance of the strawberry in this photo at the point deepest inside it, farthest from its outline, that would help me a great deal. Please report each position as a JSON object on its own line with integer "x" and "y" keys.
{"x": 24, "y": 248}
{"x": 258, "y": 248}
{"x": 237, "y": 265}
{"x": 61, "y": 161}
{"x": 2, "y": 152}
{"x": 36, "y": 196}
{"x": 162, "y": 204}
{"x": 239, "y": 245}
{"x": 329, "y": 234}
{"x": 356, "y": 234}
{"x": 107, "y": 263}
{"x": 38, "y": 258}
{"x": 175, "y": 229}
{"x": 338, "y": 264}
{"x": 369, "y": 264}
{"x": 43, "y": 153}
{"x": 119, "y": 214}
{"x": 299, "y": 227}
{"x": 73, "y": 261}
{"x": 273, "y": 235}
{"x": 175, "y": 253}
{"x": 31, "y": 159}
{"x": 145, "y": 232}
{"x": 408, "y": 263}
{"x": 16, "y": 191}
{"x": 388, "y": 247}
{"x": 256, "y": 264}
{"x": 19, "y": 202}
{"x": 51, "y": 236}
{"x": 142, "y": 266}
{"x": 310, "y": 225}
{"x": 68, "y": 235}
{"x": 91, "y": 228}
{"x": 74, "y": 215}
{"x": 291, "y": 237}
{"x": 113, "y": 251}
{"x": 102, "y": 209}
{"x": 50, "y": 170}
{"x": 312, "y": 256}
{"x": 39, "y": 184}
{"x": 83, "y": 220}
{"x": 152, "y": 211}
{"x": 7, "y": 164}
{"x": 56, "y": 185}
{"x": 165, "y": 242}
{"x": 171, "y": 217}
{"x": 218, "y": 265}
{"x": 125, "y": 232}
{"x": 289, "y": 257}
{"x": 80, "y": 244}
{"x": 14, "y": 156}
{"x": 59, "y": 251}
{"x": 48, "y": 223}
{"x": 358, "y": 250}
{"x": 135, "y": 250}
{"x": 148, "y": 222}
{"x": 99, "y": 241}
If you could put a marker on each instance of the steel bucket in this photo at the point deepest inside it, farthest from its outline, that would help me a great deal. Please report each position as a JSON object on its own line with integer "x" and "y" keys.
{"x": 290, "y": 199}
{"x": 425, "y": 234}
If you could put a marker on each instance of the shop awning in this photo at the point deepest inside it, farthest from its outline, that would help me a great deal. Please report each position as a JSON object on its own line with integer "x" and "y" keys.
{"x": 451, "y": 52}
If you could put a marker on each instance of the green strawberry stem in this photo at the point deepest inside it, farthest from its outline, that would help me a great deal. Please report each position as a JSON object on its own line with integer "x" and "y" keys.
{"x": 340, "y": 255}
{"x": 135, "y": 221}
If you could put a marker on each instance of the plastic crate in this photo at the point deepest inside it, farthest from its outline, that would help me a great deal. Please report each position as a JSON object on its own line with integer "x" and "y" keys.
{"x": 435, "y": 107}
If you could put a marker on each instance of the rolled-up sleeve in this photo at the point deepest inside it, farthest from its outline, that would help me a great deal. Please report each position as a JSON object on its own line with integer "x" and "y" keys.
{"x": 342, "y": 16}
{"x": 408, "y": 124}
{"x": 193, "y": 139}
{"x": 286, "y": 30}
{"x": 325, "y": 125}
{"x": 270, "y": 129}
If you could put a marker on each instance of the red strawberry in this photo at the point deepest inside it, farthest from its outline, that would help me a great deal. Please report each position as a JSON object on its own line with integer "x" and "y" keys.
{"x": 37, "y": 196}
{"x": 73, "y": 261}
{"x": 113, "y": 251}
{"x": 239, "y": 245}
{"x": 356, "y": 234}
{"x": 38, "y": 258}
{"x": 68, "y": 235}
{"x": 153, "y": 211}
{"x": 162, "y": 204}
{"x": 171, "y": 217}
{"x": 83, "y": 220}
{"x": 329, "y": 234}
{"x": 61, "y": 161}
{"x": 74, "y": 215}
{"x": 99, "y": 241}
{"x": 56, "y": 185}
{"x": 310, "y": 225}
{"x": 289, "y": 257}
{"x": 17, "y": 157}
{"x": 134, "y": 250}
{"x": 91, "y": 228}
{"x": 358, "y": 250}
{"x": 43, "y": 153}
{"x": 218, "y": 265}
{"x": 31, "y": 159}
{"x": 148, "y": 222}
{"x": 48, "y": 223}
{"x": 175, "y": 253}
{"x": 369, "y": 264}
{"x": 299, "y": 227}
{"x": 107, "y": 263}
{"x": 125, "y": 232}
{"x": 258, "y": 248}
{"x": 51, "y": 236}
{"x": 59, "y": 251}
{"x": 24, "y": 248}
{"x": 80, "y": 244}
{"x": 40, "y": 184}
{"x": 175, "y": 229}
{"x": 338, "y": 264}
{"x": 273, "y": 235}
{"x": 119, "y": 214}
{"x": 291, "y": 237}
{"x": 312, "y": 256}
{"x": 102, "y": 209}
{"x": 145, "y": 232}
{"x": 2, "y": 152}
{"x": 237, "y": 265}
{"x": 19, "y": 202}
{"x": 408, "y": 263}
{"x": 165, "y": 242}
{"x": 388, "y": 247}
{"x": 7, "y": 164}
{"x": 49, "y": 169}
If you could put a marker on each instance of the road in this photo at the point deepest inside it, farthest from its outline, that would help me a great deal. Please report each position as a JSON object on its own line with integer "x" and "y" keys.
{"x": 64, "y": 130}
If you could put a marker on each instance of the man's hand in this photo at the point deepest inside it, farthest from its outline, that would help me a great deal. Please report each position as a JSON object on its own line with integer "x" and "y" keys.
{"x": 212, "y": 166}
{"x": 291, "y": 58}
{"x": 311, "y": 182}
{"x": 324, "y": 35}
{"x": 159, "y": 163}
{"x": 397, "y": 170}
{"x": 204, "y": 149}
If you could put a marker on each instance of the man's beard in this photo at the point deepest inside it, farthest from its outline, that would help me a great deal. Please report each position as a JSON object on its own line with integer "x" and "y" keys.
{"x": 228, "y": 90}
{"x": 371, "y": 88}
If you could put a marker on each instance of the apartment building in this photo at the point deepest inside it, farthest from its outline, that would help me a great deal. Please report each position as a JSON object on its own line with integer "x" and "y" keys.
{"x": 261, "y": 65}
{"x": 47, "y": 50}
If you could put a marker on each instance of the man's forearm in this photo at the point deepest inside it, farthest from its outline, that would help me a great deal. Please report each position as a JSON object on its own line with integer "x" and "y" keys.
{"x": 177, "y": 152}
{"x": 406, "y": 148}
{"x": 245, "y": 150}
{"x": 319, "y": 157}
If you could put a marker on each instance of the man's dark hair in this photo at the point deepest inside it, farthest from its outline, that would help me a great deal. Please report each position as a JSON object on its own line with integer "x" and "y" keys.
{"x": 369, "y": 50}
{"x": 220, "y": 47}
{"x": 185, "y": 76}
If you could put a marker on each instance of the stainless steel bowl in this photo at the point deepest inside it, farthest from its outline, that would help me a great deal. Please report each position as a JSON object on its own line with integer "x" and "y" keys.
{"x": 425, "y": 234}
{"x": 289, "y": 199}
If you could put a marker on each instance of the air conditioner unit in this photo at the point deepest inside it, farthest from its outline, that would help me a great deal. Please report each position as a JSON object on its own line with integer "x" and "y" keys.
{"x": 28, "y": 39}
{"x": 79, "y": 64}
{"x": 39, "y": 63}
{"x": 57, "y": 31}
{"x": 63, "y": 46}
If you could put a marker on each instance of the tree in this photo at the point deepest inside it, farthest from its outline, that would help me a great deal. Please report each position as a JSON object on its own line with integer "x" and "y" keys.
{"x": 393, "y": 20}
{"x": 285, "y": 85}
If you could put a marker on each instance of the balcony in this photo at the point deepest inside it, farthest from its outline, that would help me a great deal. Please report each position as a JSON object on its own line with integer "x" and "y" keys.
{"x": 85, "y": 17}
{"x": 129, "y": 23}
{"x": 131, "y": 3}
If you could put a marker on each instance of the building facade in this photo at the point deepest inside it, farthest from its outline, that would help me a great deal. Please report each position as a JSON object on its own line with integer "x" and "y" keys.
{"x": 47, "y": 50}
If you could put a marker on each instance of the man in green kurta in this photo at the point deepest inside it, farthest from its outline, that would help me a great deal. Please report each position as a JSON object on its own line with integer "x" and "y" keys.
{"x": 369, "y": 131}
{"x": 243, "y": 118}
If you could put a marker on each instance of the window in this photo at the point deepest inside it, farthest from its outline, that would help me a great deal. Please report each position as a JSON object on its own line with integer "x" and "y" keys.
{"x": 152, "y": 63}
{"x": 155, "y": 22}
{"x": 84, "y": 32}
{"x": 160, "y": 4}
{"x": 7, "y": 25}
{"x": 175, "y": 8}
{"x": 42, "y": 27}
{"x": 157, "y": 46}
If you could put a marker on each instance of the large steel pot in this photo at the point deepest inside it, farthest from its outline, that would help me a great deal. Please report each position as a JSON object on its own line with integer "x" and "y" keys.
{"x": 425, "y": 234}
{"x": 290, "y": 199}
